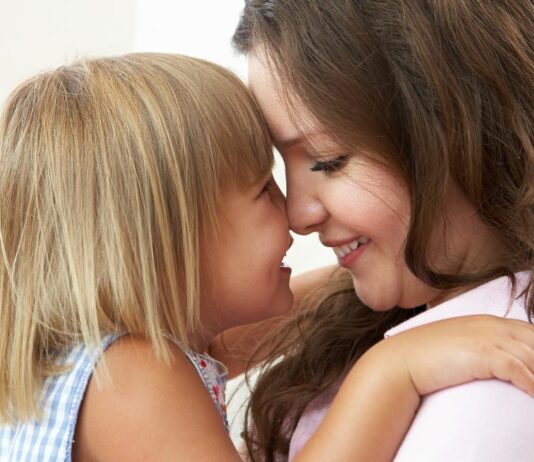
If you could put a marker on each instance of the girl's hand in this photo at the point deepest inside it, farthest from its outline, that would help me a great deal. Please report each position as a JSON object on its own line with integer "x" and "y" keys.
{"x": 381, "y": 393}
{"x": 459, "y": 350}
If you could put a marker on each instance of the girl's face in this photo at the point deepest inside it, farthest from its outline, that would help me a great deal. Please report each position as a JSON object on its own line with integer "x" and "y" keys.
{"x": 360, "y": 209}
{"x": 242, "y": 269}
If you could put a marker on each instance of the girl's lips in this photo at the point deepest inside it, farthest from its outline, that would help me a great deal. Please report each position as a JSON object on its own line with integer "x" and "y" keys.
{"x": 286, "y": 269}
{"x": 350, "y": 259}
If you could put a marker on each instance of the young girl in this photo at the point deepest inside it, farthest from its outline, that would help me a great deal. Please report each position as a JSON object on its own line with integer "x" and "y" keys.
{"x": 138, "y": 220}
{"x": 406, "y": 131}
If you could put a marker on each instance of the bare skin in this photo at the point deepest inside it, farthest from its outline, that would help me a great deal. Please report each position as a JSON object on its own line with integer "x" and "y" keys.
{"x": 152, "y": 411}
{"x": 234, "y": 346}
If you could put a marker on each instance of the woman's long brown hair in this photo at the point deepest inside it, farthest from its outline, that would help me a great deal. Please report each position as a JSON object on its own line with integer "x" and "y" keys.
{"x": 441, "y": 92}
{"x": 332, "y": 330}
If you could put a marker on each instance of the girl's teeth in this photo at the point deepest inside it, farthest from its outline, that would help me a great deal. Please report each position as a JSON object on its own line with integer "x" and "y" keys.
{"x": 354, "y": 245}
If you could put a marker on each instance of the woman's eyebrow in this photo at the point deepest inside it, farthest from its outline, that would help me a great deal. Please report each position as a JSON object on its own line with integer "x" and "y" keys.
{"x": 305, "y": 137}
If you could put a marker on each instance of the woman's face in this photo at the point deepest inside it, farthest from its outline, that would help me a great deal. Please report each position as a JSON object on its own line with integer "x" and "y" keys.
{"x": 360, "y": 209}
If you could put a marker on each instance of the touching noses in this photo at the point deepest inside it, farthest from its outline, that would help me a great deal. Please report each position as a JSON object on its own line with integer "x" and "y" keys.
{"x": 305, "y": 211}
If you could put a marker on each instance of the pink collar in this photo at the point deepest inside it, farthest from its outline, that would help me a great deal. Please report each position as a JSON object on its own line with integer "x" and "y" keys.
{"x": 492, "y": 298}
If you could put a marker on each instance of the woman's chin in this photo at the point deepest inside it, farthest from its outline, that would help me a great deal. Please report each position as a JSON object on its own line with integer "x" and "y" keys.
{"x": 377, "y": 300}
{"x": 376, "y": 303}
{"x": 380, "y": 307}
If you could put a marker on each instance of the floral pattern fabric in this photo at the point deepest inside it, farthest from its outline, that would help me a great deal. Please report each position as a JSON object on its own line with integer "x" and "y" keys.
{"x": 214, "y": 375}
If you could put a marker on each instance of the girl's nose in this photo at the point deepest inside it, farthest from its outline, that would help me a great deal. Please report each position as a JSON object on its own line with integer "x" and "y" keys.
{"x": 278, "y": 198}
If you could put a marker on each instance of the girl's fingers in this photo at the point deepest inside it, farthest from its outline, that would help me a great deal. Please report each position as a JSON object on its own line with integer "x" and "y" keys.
{"x": 524, "y": 332}
{"x": 513, "y": 362}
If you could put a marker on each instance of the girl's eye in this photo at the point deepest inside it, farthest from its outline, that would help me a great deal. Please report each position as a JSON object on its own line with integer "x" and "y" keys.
{"x": 329, "y": 166}
{"x": 268, "y": 186}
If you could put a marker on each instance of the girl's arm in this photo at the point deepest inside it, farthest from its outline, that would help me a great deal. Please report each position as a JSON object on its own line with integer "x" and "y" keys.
{"x": 151, "y": 411}
{"x": 234, "y": 346}
{"x": 141, "y": 409}
{"x": 380, "y": 396}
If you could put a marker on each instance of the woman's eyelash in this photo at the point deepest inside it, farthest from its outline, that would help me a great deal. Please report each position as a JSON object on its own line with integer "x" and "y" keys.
{"x": 329, "y": 165}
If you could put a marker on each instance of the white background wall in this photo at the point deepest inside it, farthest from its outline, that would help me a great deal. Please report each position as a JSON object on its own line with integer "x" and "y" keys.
{"x": 41, "y": 34}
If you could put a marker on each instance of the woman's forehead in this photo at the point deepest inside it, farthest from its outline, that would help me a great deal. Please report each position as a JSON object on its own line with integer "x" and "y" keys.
{"x": 287, "y": 124}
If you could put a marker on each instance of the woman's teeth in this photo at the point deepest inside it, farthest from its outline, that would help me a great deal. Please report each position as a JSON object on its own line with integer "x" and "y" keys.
{"x": 345, "y": 249}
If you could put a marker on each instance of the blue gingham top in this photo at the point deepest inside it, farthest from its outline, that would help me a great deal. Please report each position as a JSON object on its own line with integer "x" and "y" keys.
{"x": 50, "y": 438}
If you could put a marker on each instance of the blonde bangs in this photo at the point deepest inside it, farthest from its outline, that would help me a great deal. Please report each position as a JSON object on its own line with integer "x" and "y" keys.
{"x": 226, "y": 132}
{"x": 245, "y": 150}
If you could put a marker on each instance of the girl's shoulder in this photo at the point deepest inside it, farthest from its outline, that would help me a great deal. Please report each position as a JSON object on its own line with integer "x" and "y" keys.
{"x": 49, "y": 436}
{"x": 139, "y": 404}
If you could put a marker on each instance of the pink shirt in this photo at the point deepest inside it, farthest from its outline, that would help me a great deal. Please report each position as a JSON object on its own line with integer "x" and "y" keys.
{"x": 485, "y": 420}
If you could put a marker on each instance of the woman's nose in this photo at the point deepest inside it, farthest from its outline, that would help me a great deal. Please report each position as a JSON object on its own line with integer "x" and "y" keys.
{"x": 305, "y": 211}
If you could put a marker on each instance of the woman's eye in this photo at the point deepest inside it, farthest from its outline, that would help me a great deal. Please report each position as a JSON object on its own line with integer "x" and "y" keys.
{"x": 329, "y": 166}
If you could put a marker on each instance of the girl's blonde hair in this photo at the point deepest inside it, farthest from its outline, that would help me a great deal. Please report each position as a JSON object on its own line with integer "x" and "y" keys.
{"x": 110, "y": 171}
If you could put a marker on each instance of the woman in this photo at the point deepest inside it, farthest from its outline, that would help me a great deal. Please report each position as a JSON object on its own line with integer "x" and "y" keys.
{"x": 406, "y": 131}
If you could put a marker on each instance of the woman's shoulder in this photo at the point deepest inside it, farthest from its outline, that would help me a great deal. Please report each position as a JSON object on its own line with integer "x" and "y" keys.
{"x": 486, "y": 420}
{"x": 136, "y": 403}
